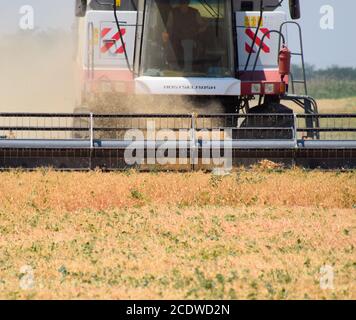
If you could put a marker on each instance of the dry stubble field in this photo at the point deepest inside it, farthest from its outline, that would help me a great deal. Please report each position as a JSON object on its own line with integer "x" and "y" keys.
{"x": 253, "y": 234}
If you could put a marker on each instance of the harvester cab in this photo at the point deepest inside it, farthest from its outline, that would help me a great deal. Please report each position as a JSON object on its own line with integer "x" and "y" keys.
{"x": 227, "y": 50}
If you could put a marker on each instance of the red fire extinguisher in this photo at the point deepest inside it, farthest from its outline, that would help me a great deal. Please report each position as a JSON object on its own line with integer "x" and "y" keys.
{"x": 284, "y": 61}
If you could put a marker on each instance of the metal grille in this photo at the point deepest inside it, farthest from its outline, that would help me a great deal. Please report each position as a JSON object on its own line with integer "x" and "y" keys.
{"x": 43, "y": 126}
{"x": 81, "y": 141}
{"x": 327, "y": 126}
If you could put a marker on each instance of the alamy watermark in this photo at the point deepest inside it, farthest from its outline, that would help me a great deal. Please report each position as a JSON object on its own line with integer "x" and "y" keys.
{"x": 27, "y": 17}
{"x": 178, "y": 147}
{"x": 327, "y": 21}
{"x": 27, "y": 278}
{"x": 327, "y": 277}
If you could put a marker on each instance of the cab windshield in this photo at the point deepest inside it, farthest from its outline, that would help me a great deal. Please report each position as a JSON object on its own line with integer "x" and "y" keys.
{"x": 187, "y": 38}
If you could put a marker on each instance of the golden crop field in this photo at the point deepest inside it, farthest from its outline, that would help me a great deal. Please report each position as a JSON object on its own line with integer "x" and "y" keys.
{"x": 346, "y": 105}
{"x": 257, "y": 234}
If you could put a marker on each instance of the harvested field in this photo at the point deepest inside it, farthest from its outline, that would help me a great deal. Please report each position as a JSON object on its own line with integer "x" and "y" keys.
{"x": 254, "y": 234}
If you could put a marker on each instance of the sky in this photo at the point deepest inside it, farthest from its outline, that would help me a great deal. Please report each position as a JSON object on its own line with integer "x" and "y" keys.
{"x": 323, "y": 48}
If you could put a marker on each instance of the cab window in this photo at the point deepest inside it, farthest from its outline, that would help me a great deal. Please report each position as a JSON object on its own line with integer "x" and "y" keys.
{"x": 190, "y": 38}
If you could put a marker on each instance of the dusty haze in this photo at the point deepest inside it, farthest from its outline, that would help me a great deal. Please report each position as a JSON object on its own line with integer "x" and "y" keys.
{"x": 37, "y": 72}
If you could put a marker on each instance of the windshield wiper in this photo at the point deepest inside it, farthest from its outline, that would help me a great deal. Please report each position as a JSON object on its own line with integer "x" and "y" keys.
{"x": 209, "y": 8}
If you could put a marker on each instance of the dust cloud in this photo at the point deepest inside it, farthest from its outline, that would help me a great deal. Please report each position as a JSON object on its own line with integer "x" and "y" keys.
{"x": 37, "y": 72}
{"x": 150, "y": 104}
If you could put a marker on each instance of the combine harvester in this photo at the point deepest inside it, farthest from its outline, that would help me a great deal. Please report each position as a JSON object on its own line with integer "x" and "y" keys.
{"x": 230, "y": 53}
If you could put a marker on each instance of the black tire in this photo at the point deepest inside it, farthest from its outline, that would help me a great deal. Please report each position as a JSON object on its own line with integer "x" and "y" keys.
{"x": 282, "y": 119}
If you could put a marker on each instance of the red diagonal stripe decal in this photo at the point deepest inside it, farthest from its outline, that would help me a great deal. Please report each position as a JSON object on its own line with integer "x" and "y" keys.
{"x": 249, "y": 49}
{"x": 264, "y": 31}
{"x": 251, "y": 35}
{"x": 117, "y": 38}
{"x": 117, "y": 35}
{"x": 105, "y": 31}
{"x": 107, "y": 46}
{"x": 120, "y": 50}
